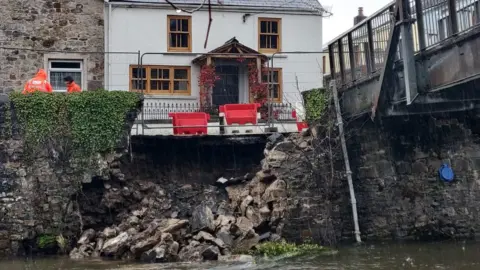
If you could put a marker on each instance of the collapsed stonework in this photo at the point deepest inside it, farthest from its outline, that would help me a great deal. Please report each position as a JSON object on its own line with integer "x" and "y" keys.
{"x": 159, "y": 220}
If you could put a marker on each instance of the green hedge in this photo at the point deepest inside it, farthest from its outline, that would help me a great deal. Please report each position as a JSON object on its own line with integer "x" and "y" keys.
{"x": 316, "y": 101}
{"x": 84, "y": 123}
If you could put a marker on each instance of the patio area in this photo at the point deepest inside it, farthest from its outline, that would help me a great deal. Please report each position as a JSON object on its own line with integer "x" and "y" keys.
{"x": 155, "y": 120}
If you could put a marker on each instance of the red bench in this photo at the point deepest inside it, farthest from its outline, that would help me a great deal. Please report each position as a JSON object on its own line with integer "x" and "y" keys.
{"x": 189, "y": 123}
{"x": 240, "y": 114}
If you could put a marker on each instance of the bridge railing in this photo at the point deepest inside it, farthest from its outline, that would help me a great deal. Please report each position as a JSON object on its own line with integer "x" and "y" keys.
{"x": 359, "y": 53}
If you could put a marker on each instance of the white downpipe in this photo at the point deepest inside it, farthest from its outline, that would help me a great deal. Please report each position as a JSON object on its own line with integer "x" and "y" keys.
{"x": 346, "y": 160}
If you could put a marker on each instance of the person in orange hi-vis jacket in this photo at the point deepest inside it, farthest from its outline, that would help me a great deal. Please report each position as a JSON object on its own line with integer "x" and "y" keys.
{"x": 38, "y": 83}
{"x": 72, "y": 87}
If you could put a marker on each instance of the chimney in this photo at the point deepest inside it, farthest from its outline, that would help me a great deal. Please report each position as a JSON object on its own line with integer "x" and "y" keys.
{"x": 360, "y": 17}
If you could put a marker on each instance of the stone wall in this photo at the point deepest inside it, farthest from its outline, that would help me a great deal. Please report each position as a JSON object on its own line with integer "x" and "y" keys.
{"x": 60, "y": 29}
{"x": 395, "y": 173}
{"x": 40, "y": 197}
{"x": 399, "y": 192}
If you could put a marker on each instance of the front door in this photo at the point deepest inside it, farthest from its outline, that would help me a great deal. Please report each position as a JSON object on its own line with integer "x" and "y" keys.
{"x": 226, "y": 89}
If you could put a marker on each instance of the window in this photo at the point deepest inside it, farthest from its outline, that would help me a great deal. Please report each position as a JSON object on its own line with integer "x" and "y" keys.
{"x": 269, "y": 35}
{"x": 275, "y": 84}
{"x": 162, "y": 80}
{"x": 179, "y": 33}
{"x": 59, "y": 69}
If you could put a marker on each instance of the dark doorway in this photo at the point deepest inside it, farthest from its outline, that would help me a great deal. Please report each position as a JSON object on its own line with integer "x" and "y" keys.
{"x": 226, "y": 89}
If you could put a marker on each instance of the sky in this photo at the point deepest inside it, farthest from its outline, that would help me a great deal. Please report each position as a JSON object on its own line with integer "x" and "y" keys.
{"x": 343, "y": 13}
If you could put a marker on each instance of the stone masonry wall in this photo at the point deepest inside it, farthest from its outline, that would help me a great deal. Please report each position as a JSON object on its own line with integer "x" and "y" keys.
{"x": 395, "y": 174}
{"x": 40, "y": 27}
{"x": 399, "y": 192}
{"x": 40, "y": 198}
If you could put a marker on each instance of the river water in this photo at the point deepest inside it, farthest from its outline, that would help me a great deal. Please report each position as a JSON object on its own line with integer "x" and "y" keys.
{"x": 386, "y": 256}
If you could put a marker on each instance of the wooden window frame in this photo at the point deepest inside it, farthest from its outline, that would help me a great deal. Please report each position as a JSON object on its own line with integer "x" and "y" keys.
{"x": 179, "y": 49}
{"x": 279, "y": 35}
{"x": 171, "y": 79}
{"x": 279, "y": 83}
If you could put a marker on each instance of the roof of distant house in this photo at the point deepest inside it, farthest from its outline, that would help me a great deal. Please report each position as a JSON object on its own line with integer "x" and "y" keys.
{"x": 303, "y": 5}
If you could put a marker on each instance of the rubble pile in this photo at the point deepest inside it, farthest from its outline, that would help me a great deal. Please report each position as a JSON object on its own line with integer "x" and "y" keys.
{"x": 160, "y": 228}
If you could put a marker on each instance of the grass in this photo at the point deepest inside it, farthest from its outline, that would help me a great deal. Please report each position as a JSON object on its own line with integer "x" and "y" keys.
{"x": 46, "y": 240}
{"x": 274, "y": 249}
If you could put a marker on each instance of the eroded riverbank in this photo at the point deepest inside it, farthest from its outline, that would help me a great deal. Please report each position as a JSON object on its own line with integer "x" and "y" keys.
{"x": 382, "y": 256}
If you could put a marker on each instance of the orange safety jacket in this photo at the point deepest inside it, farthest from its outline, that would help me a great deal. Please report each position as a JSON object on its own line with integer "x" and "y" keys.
{"x": 73, "y": 87}
{"x": 38, "y": 83}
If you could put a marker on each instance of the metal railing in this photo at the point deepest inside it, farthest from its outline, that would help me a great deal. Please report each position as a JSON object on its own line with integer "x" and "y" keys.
{"x": 360, "y": 53}
{"x": 157, "y": 112}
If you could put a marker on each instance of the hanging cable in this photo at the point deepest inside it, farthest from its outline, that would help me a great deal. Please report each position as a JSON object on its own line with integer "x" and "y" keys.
{"x": 188, "y": 11}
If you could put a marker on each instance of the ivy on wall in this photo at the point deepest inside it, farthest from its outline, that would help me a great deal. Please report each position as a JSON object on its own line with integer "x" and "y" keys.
{"x": 258, "y": 89}
{"x": 316, "y": 101}
{"x": 206, "y": 82}
{"x": 81, "y": 123}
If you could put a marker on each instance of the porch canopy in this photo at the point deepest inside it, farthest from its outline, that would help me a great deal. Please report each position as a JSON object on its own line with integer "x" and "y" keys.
{"x": 232, "y": 49}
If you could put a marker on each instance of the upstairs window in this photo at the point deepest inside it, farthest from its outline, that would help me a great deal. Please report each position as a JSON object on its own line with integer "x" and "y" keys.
{"x": 179, "y": 33}
{"x": 269, "y": 35}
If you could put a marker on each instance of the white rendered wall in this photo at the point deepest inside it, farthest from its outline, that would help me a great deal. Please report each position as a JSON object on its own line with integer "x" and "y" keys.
{"x": 145, "y": 29}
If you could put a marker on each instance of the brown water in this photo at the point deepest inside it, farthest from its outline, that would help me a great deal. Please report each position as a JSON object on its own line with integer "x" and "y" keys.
{"x": 438, "y": 256}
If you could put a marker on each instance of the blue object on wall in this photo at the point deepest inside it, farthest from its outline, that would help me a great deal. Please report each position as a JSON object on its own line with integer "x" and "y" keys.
{"x": 446, "y": 173}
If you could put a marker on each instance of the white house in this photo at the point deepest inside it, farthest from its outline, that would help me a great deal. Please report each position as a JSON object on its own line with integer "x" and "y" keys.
{"x": 172, "y": 45}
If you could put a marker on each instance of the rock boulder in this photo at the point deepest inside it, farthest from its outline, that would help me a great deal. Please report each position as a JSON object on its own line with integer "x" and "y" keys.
{"x": 202, "y": 219}
{"x": 114, "y": 247}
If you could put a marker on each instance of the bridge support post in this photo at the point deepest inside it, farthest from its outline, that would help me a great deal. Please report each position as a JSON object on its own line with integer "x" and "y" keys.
{"x": 370, "y": 59}
{"x": 341, "y": 58}
{"x": 406, "y": 21}
{"x": 420, "y": 24}
{"x": 353, "y": 200}
{"x": 331, "y": 57}
{"x": 452, "y": 11}
{"x": 393, "y": 41}
{"x": 351, "y": 57}
{"x": 476, "y": 7}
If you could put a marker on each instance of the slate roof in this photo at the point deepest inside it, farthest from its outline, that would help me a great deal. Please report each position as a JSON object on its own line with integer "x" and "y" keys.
{"x": 304, "y": 5}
